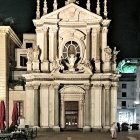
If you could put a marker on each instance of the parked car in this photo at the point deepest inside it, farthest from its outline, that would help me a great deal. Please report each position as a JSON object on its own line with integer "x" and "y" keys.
{"x": 135, "y": 126}
{"x": 124, "y": 126}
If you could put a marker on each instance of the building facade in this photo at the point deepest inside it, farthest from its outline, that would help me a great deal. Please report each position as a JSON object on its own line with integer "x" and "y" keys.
{"x": 126, "y": 111}
{"x": 70, "y": 72}
{"x": 127, "y": 91}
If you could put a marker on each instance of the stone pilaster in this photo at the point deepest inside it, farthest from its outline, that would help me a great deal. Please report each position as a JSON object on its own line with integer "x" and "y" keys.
{"x": 114, "y": 89}
{"x": 105, "y": 56}
{"x": 95, "y": 52}
{"x": 81, "y": 113}
{"x": 87, "y": 110}
{"x": 88, "y": 45}
{"x": 40, "y": 41}
{"x": 62, "y": 113}
{"x": 96, "y": 91}
{"x": 45, "y": 62}
{"x": 44, "y": 105}
{"x": 104, "y": 40}
{"x": 52, "y": 44}
{"x": 107, "y": 105}
{"x": 56, "y": 108}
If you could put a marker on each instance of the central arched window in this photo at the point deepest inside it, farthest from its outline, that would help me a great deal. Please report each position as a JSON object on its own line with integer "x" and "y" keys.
{"x": 71, "y": 47}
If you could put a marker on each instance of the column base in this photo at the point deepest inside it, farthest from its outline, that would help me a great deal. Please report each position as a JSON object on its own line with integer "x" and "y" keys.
{"x": 56, "y": 128}
{"x": 96, "y": 128}
{"x": 106, "y": 128}
{"x": 86, "y": 129}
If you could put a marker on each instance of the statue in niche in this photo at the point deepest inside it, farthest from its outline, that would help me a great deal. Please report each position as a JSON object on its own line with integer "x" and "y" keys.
{"x": 36, "y": 52}
{"x": 30, "y": 54}
{"x": 115, "y": 53}
{"x": 108, "y": 52}
{"x": 71, "y": 60}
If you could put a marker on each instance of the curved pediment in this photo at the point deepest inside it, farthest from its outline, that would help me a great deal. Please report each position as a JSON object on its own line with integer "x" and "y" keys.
{"x": 72, "y": 89}
{"x": 71, "y": 13}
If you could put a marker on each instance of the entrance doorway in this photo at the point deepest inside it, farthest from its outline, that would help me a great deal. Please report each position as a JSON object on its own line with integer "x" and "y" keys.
{"x": 71, "y": 114}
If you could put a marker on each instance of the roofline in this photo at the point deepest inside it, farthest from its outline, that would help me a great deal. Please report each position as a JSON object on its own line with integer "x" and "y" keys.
{"x": 13, "y": 36}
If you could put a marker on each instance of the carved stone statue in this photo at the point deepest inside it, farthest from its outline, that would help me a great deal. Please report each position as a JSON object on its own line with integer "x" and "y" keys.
{"x": 115, "y": 53}
{"x": 30, "y": 54}
{"x": 71, "y": 60}
{"x": 107, "y": 53}
{"x": 36, "y": 52}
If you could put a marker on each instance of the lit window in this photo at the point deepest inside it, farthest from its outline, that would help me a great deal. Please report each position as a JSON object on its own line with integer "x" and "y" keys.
{"x": 29, "y": 45}
{"x": 123, "y": 94}
{"x": 23, "y": 60}
{"x": 124, "y": 86}
{"x": 71, "y": 47}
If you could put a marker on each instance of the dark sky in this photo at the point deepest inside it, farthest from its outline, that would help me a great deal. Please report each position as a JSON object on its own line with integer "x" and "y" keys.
{"x": 124, "y": 30}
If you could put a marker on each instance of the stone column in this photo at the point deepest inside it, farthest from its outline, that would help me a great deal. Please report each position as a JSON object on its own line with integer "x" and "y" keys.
{"x": 114, "y": 89}
{"x": 62, "y": 113}
{"x": 56, "y": 109}
{"x": 107, "y": 106}
{"x": 87, "y": 110}
{"x": 103, "y": 108}
{"x": 88, "y": 45}
{"x": 35, "y": 117}
{"x": 96, "y": 93}
{"x": 51, "y": 105}
{"x": 45, "y": 63}
{"x": 44, "y": 105}
{"x": 29, "y": 104}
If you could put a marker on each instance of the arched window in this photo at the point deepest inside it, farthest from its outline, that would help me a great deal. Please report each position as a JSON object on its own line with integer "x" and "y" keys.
{"x": 71, "y": 47}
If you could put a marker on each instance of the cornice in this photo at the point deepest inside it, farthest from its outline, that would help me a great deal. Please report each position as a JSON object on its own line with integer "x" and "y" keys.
{"x": 8, "y": 30}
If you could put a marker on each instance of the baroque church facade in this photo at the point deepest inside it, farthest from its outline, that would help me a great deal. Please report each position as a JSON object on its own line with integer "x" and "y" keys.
{"x": 70, "y": 76}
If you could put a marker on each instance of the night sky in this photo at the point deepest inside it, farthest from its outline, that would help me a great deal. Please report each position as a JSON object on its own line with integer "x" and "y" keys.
{"x": 124, "y": 30}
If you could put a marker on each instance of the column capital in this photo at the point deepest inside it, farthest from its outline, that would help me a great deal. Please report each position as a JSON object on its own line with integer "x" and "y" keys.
{"x": 107, "y": 86}
{"x": 29, "y": 86}
{"x": 45, "y": 85}
{"x": 53, "y": 30}
{"x": 56, "y": 86}
{"x": 114, "y": 86}
{"x": 87, "y": 86}
{"x": 94, "y": 30}
{"x": 36, "y": 86}
{"x": 97, "y": 85}
{"x": 104, "y": 29}
{"x": 39, "y": 30}
{"x": 45, "y": 28}
{"x": 88, "y": 30}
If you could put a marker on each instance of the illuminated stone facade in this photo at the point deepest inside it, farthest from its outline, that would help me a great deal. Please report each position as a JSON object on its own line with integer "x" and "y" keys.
{"x": 70, "y": 75}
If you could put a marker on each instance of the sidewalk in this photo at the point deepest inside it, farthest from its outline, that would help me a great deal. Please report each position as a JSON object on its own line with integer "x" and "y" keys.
{"x": 80, "y": 136}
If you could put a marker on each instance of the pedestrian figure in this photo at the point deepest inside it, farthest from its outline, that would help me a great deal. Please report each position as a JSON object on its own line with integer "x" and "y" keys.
{"x": 113, "y": 130}
{"x": 118, "y": 125}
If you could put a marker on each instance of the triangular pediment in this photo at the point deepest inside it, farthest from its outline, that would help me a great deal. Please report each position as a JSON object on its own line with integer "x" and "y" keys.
{"x": 72, "y": 12}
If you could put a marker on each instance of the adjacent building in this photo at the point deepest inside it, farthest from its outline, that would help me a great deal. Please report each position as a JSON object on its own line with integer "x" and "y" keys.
{"x": 127, "y": 91}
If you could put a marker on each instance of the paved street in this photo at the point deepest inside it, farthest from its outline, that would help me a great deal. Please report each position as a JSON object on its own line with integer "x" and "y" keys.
{"x": 135, "y": 135}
